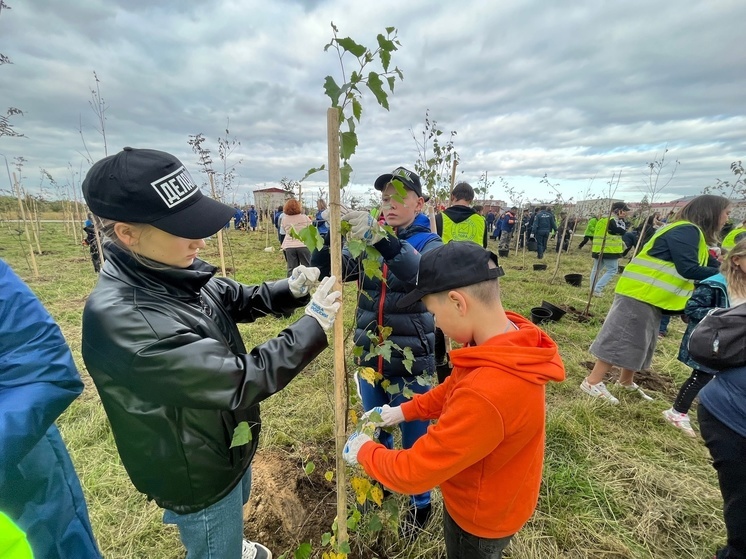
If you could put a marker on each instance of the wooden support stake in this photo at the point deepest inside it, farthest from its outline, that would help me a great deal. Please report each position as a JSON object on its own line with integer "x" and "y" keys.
{"x": 17, "y": 188}
{"x": 453, "y": 177}
{"x": 220, "y": 231}
{"x": 340, "y": 374}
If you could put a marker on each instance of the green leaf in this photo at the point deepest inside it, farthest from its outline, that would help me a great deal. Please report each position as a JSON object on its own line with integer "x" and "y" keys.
{"x": 356, "y": 247}
{"x": 357, "y": 109}
{"x": 399, "y": 73}
{"x": 310, "y": 467}
{"x": 374, "y": 524}
{"x": 303, "y": 551}
{"x": 372, "y": 268}
{"x": 344, "y": 228}
{"x": 357, "y": 351}
{"x": 241, "y": 434}
{"x": 332, "y": 90}
{"x": 376, "y": 87}
{"x": 390, "y": 30}
{"x": 375, "y": 417}
{"x": 401, "y": 192}
{"x": 384, "y": 350}
{"x": 311, "y": 171}
{"x": 392, "y": 389}
{"x": 409, "y": 360}
{"x": 345, "y": 171}
{"x": 344, "y": 547}
{"x": 351, "y": 46}
{"x": 392, "y": 81}
{"x": 392, "y": 507}
{"x": 348, "y": 143}
{"x": 407, "y": 392}
{"x": 326, "y": 537}
{"x": 309, "y": 236}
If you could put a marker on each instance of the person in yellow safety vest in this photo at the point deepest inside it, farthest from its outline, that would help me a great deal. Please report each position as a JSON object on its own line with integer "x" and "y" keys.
{"x": 658, "y": 281}
{"x": 731, "y": 238}
{"x": 13, "y": 541}
{"x": 611, "y": 230}
{"x": 459, "y": 222}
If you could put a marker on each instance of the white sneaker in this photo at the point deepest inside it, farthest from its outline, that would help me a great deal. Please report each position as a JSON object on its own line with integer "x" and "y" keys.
{"x": 253, "y": 550}
{"x": 598, "y": 391}
{"x": 680, "y": 421}
{"x": 635, "y": 388}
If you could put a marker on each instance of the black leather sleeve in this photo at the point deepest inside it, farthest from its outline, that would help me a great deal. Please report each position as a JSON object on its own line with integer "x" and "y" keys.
{"x": 246, "y": 303}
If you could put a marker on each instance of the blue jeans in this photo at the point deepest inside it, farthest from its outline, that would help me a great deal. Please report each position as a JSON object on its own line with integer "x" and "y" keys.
{"x": 374, "y": 395}
{"x": 217, "y": 531}
{"x": 460, "y": 544}
{"x": 663, "y": 327}
{"x": 541, "y": 242}
{"x": 611, "y": 265}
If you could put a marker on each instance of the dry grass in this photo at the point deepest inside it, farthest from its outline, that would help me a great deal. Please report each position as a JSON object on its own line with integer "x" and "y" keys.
{"x": 618, "y": 483}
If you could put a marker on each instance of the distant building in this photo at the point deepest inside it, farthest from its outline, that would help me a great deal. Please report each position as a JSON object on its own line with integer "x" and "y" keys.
{"x": 270, "y": 198}
{"x": 496, "y": 206}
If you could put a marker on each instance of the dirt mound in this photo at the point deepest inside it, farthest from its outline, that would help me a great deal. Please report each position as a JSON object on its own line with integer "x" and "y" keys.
{"x": 288, "y": 507}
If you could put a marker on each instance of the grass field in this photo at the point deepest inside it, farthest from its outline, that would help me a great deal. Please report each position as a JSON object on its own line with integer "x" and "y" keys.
{"x": 618, "y": 481}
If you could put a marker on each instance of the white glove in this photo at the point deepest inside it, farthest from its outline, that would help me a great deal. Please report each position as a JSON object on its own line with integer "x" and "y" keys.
{"x": 390, "y": 416}
{"x": 326, "y": 214}
{"x": 302, "y": 279}
{"x": 364, "y": 226}
{"x": 353, "y": 446}
{"x": 325, "y": 303}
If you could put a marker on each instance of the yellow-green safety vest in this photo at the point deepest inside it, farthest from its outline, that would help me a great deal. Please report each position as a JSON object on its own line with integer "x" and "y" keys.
{"x": 13, "y": 542}
{"x": 730, "y": 239}
{"x": 471, "y": 229}
{"x": 655, "y": 281}
{"x": 614, "y": 243}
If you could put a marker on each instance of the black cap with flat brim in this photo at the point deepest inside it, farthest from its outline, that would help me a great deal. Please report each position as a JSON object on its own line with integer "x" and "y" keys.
{"x": 152, "y": 187}
{"x": 409, "y": 179}
{"x": 450, "y": 266}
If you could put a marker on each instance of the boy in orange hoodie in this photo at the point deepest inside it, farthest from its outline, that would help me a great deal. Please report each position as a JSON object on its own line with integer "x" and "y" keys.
{"x": 487, "y": 449}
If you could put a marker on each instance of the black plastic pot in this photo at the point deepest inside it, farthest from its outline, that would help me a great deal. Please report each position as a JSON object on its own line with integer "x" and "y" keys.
{"x": 503, "y": 252}
{"x": 540, "y": 314}
{"x": 540, "y": 266}
{"x": 574, "y": 279}
{"x": 531, "y": 245}
{"x": 557, "y": 312}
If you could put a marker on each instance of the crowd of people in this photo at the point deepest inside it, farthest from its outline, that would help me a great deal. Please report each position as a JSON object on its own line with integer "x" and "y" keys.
{"x": 161, "y": 343}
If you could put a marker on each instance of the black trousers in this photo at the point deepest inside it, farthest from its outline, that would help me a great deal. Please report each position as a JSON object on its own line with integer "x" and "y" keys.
{"x": 460, "y": 544}
{"x": 728, "y": 451}
{"x": 689, "y": 390}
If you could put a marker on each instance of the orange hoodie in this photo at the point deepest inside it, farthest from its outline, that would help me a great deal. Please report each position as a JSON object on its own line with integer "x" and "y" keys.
{"x": 487, "y": 449}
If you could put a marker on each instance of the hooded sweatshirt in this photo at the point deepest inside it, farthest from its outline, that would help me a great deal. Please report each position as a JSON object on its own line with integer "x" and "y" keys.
{"x": 487, "y": 449}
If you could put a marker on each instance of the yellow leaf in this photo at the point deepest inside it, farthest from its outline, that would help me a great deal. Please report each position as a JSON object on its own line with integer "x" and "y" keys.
{"x": 376, "y": 495}
{"x": 369, "y": 374}
{"x": 328, "y": 476}
{"x": 352, "y": 416}
{"x": 385, "y": 384}
{"x": 361, "y": 486}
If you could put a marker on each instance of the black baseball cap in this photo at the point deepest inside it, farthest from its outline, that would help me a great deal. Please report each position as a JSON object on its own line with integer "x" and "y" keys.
{"x": 153, "y": 187}
{"x": 619, "y": 207}
{"x": 409, "y": 179}
{"x": 453, "y": 265}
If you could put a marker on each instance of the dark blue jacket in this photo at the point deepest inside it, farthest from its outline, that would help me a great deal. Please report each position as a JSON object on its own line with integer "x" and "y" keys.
{"x": 544, "y": 222}
{"x": 708, "y": 294}
{"x": 39, "y": 489}
{"x": 413, "y": 326}
{"x": 725, "y": 398}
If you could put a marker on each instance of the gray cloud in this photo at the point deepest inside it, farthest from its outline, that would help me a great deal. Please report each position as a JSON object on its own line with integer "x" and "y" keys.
{"x": 574, "y": 90}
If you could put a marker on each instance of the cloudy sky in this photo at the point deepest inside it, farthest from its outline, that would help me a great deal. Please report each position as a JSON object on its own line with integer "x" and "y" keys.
{"x": 576, "y": 90}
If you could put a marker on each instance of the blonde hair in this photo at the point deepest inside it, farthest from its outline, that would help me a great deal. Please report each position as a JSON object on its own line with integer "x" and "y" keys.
{"x": 735, "y": 279}
{"x": 106, "y": 226}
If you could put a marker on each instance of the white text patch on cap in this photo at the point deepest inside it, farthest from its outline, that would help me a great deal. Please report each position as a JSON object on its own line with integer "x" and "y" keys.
{"x": 175, "y": 187}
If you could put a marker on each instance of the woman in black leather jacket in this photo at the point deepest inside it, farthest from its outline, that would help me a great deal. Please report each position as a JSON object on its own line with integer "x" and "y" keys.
{"x": 161, "y": 344}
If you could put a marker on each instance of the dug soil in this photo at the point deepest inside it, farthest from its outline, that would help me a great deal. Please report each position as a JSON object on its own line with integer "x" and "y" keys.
{"x": 288, "y": 507}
